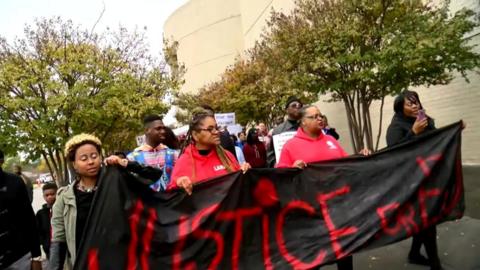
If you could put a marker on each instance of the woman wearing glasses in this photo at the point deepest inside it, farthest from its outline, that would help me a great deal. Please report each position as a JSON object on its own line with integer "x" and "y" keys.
{"x": 311, "y": 145}
{"x": 203, "y": 157}
{"x": 409, "y": 121}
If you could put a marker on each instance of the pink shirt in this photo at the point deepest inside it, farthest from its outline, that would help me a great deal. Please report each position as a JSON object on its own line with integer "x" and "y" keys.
{"x": 303, "y": 147}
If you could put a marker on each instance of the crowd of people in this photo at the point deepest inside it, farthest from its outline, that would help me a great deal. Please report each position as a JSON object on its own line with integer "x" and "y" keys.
{"x": 170, "y": 162}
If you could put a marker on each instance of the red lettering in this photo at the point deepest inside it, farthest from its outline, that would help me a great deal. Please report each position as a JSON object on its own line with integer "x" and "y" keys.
{"x": 408, "y": 221}
{"x": 207, "y": 234}
{"x": 238, "y": 216}
{"x": 382, "y": 213}
{"x": 294, "y": 261}
{"x": 200, "y": 234}
{"x": 132, "y": 247}
{"x": 182, "y": 235}
{"x": 335, "y": 233}
{"x": 266, "y": 246}
{"x": 93, "y": 259}
{"x": 422, "y": 197}
{"x": 402, "y": 219}
{"x": 147, "y": 238}
{"x": 265, "y": 193}
{"x": 423, "y": 163}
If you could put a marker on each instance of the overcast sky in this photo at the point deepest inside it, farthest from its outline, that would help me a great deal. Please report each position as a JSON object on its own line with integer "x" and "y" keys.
{"x": 14, "y": 14}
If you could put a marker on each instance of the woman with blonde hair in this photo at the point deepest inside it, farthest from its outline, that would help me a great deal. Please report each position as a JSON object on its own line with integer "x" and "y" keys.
{"x": 70, "y": 211}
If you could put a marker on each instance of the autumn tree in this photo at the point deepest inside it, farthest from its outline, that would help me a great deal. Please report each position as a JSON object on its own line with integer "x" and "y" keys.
{"x": 245, "y": 89}
{"x": 59, "y": 80}
{"x": 360, "y": 51}
{"x": 354, "y": 51}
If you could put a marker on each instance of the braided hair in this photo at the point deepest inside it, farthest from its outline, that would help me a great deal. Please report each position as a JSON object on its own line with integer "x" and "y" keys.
{"x": 198, "y": 116}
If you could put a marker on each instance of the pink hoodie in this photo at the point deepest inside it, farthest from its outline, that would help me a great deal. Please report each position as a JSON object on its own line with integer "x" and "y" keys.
{"x": 303, "y": 147}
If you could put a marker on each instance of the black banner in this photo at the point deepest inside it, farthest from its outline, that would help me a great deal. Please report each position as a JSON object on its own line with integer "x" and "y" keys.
{"x": 277, "y": 218}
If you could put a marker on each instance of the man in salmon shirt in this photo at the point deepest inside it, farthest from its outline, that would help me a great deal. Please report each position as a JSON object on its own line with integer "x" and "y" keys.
{"x": 311, "y": 145}
{"x": 203, "y": 157}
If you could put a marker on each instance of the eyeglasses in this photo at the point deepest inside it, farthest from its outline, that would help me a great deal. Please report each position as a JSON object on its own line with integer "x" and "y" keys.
{"x": 315, "y": 116}
{"x": 297, "y": 105}
{"x": 210, "y": 129}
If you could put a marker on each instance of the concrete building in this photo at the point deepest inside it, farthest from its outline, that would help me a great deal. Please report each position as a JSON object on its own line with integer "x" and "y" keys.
{"x": 213, "y": 33}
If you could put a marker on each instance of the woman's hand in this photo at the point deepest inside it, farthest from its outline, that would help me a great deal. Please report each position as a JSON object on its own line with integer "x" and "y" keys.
{"x": 245, "y": 167}
{"x": 300, "y": 164}
{"x": 116, "y": 160}
{"x": 365, "y": 152}
{"x": 419, "y": 126}
{"x": 185, "y": 183}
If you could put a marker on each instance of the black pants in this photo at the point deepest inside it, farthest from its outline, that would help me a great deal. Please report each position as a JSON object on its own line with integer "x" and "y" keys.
{"x": 345, "y": 263}
{"x": 428, "y": 238}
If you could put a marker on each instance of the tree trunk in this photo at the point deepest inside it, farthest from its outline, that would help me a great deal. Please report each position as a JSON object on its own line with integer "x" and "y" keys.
{"x": 359, "y": 120}
{"x": 380, "y": 123}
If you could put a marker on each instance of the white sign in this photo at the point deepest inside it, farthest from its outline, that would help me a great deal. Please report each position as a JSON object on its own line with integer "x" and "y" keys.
{"x": 45, "y": 177}
{"x": 141, "y": 140}
{"x": 225, "y": 119}
{"x": 181, "y": 130}
{"x": 235, "y": 129}
{"x": 279, "y": 141}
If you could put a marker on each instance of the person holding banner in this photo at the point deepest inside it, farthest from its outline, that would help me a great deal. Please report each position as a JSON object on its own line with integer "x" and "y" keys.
{"x": 203, "y": 156}
{"x": 158, "y": 150}
{"x": 70, "y": 211}
{"x": 409, "y": 121}
{"x": 311, "y": 145}
{"x": 74, "y": 202}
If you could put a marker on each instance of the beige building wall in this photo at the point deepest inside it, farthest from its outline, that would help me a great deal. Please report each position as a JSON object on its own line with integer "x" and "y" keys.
{"x": 210, "y": 37}
{"x": 213, "y": 33}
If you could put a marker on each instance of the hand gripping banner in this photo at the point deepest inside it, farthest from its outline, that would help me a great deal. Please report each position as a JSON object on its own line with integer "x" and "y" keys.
{"x": 277, "y": 218}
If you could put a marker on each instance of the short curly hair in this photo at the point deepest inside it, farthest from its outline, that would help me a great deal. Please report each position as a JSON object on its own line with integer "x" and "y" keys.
{"x": 78, "y": 140}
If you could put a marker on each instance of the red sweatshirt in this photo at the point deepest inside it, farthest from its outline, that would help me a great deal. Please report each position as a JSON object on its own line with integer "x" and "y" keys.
{"x": 208, "y": 166}
{"x": 303, "y": 147}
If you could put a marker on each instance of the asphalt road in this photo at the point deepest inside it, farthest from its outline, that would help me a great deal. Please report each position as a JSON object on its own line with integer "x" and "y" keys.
{"x": 458, "y": 241}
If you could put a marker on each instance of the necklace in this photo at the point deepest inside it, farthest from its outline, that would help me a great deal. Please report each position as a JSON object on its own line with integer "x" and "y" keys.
{"x": 83, "y": 188}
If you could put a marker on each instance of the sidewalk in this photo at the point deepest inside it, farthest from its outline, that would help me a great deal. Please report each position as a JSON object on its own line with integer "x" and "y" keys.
{"x": 458, "y": 241}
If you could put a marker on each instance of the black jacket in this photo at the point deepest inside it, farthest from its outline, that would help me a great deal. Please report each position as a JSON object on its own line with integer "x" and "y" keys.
{"x": 44, "y": 228}
{"x": 288, "y": 125}
{"x": 400, "y": 129}
{"x": 227, "y": 143}
{"x": 332, "y": 132}
{"x": 18, "y": 226}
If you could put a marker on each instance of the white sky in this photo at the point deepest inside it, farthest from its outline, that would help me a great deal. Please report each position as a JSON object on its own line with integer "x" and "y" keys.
{"x": 14, "y": 14}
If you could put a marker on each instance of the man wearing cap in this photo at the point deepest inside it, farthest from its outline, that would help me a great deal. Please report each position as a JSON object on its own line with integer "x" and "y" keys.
{"x": 292, "y": 107}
